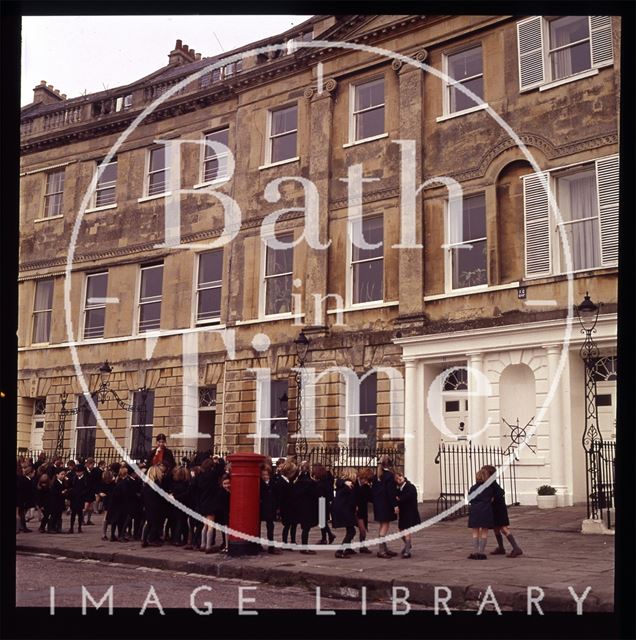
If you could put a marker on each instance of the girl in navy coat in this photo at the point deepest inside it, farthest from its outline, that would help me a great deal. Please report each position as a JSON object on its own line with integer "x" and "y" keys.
{"x": 222, "y": 508}
{"x": 153, "y": 508}
{"x": 43, "y": 500}
{"x": 120, "y": 505}
{"x": 267, "y": 505}
{"x": 208, "y": 484}
{"x": 324, "y": 482}
{"x": 384, "y": 502}
{"x": 500, "y": 515}
{"x": 407, "y": 512}
{"x": 362, "y": 497}
{"x": 105, "y": 493}
{"x": 480, "y": 516}
{"x": 285, "y": 500}
{"x": 181, "y": 492}
{"x": 195, "y": 525}
{"x": 344, "y": 510}
{"x": 305, "y": 500}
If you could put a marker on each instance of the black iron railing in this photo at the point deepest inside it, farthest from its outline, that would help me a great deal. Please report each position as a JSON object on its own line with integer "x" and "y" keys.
{"x": 341, "y": 457}
{"x": 458, "y": 466}
{"x": 110, "y": 455}
{"x": 601, "y": 485}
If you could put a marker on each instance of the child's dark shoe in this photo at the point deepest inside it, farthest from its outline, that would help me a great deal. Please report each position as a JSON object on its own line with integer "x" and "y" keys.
{"x": 499, "y": 551}
{"x": 364, "y": 550}
{"x": 515, "y": 553}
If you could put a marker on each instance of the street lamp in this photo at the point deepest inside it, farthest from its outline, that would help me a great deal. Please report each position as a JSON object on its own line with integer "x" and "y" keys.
{"x": 302, "y": 346}
{"x": 592, "y": 439}
{"x": 103, "y": 393}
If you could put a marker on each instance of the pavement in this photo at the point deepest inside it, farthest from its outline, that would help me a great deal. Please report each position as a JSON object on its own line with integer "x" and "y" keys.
{"x": 556, "y": 556}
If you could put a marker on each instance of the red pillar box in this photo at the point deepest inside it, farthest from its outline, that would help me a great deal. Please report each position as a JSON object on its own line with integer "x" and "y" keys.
{"x": 244, "y": 501}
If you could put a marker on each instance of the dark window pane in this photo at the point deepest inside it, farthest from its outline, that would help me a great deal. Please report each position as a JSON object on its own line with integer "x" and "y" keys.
{"x": 109, "y": 174}
{"x": 151, "y": 282}
{"x": 469, "y": 265}
{"x": 474, "y": 214}
{"x": 284, "y": 147}
{"x": 94, "y": 327}
{"x": 284, "y": 120}
{"x": 604, "y": 400}
{"x": 209, "y": 304}
{"x": 452, "y": 405}
{"x": 104, "y": 197}
{"x": 373, "y": 233}
{"x": 278, "y": 398}
{"x": 369, "y": 394}
{"x": 368, "y": 427}
{"x": 465, "y": 64}
{"x": 369, "y": 94}
{"x": 210, "y": 267}
{"x": 149, "y": 316}
{"x": 141, "y": 441}
{"x": 96, "y": 287}
{"x": 460, "y": 101}
{"x": 85, "y": 415}
{"x": 44, "y": 295}
{"x": 568, "y": 29}
{"x": 85, "y": 444}
{"x": 278, "y": 295}
{"x": 370, "y": 123}
{"x": 367, "y": 281}
{"x": 157, "y": 183}
{"x": 280, "y": 260}
{"x": 158, "y": 159}
{"x": 139, "y": 416}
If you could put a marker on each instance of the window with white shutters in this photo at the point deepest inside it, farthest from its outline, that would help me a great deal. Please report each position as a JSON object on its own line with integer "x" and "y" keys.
{"x": 585, "y": 233}
{"x": 562, "y": 48}
{"x": 607, "y": 189}
{"x": 537, "y": 225}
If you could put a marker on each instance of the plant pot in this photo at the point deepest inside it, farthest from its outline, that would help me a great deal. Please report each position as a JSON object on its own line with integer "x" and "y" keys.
{"x": 547, "y": 502}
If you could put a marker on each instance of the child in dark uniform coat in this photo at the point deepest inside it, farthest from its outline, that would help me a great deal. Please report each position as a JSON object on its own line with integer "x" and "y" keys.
{"x": 407, "y": 512}
{"x": 480, "y": 516}
{"x": 105, "y": 491}
{"x": 344, "y": 510}
{"x": 500, "y": 515}
{"x": 267, "y": 505}
{"x": 221, "y": 510}
{"x": 78, "y": 489}
{"x": 324, "y": 482}
{"x": 57, "y": 502}
{"x": 305, "y": 500}
{"x": 384, "y": 502}
{"x": 362, "y": 497}
{"x": 285, "y": 500}
{"x": 153, "y": 508}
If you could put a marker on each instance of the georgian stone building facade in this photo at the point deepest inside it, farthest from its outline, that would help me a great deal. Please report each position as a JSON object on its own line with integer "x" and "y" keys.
{"x": 490, "y": 294}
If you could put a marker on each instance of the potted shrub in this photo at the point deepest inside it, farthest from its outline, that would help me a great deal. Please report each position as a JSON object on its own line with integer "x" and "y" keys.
{"x": 546, "y": 497}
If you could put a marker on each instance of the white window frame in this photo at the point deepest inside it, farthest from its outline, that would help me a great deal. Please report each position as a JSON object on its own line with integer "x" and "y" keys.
{"x": 131, "y": 426}
{"x": 449, "y": 246}
{"x": 204, "y": 149}
{"x": 40, "y": 311}
{"x": 38, "y": 420}
{"x": 350, "y": 265}
{"x": 270, "y": 136}
{"x": 549, "y": 50}
{"x": 105, "y": 186}
{"x": 448, "y": 85}
{"x": 166, "y": 188}
{"x": 137, "y": 328}
{"x": 353, "y": 113}
{"x": 263, "y": 407}
{"x": 90, "y": 307}
{"x": 558, "y": 269}
{"x": 352, "y": 418}
{"x": 555, "y": 245}
{"x": 548, "y": 82}
{"x": 197, "y": 289}
{"x": 47, "y": 194}
{"x": 76, "y": 427}
{"x": 286, "y": 236}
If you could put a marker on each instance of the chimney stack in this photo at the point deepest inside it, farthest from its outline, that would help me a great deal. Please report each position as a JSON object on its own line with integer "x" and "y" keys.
{"x": 181, "y": 54}
{"x": 47, "y": 94}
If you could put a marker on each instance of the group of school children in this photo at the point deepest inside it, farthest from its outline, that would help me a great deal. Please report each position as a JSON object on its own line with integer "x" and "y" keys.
{"x": 291, "y": 492}
{"x": 488, "y": 511}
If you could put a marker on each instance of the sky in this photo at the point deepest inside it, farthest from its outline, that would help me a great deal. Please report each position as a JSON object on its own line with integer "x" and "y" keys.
{"x": 78, "y": 54}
